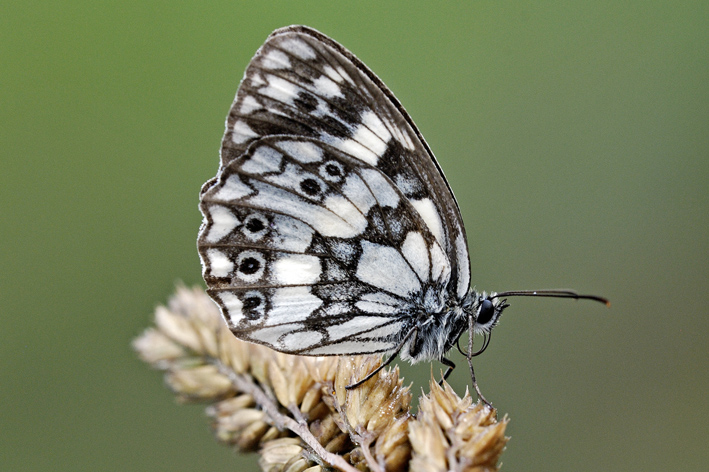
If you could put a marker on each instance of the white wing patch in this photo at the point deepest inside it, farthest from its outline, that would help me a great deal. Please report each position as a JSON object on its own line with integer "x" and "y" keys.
{"x": 402, "y": 136}
{"x": 327, "y": 87}
{"x": 332, "y": 73}
{"x": 369, "y": 140}
{"x": 346, "y": 210}
{"x": 291, "y": 234}
{"x": 358, "y": 324}
{"x": 430, "y": 215}
{"x": 233, "y": 307}
{"x": 292, "y": 305}
{"x": 220, "y": 265}
{"x": 303, "y": 151}
{"x": 386, "y": 331}
{"x": 354, "y": 148}
{"x": 383, "y": 191}
{"x": 297, "y": 269}
{"x": 263, "y": 159}
{"x": 461, "y": 251}
{"x": 358, "y": 193}
{"x": 298, "y": 48}
{"x": 249, "y": 105}
{"x": 276, "y": 59}
{"x": 416, "y": 252}
{"x": 371, "y": 145}
{"x": 280, "y": 89}
{"x": 271, "y": 335}
{"x": 385, "y": 268}
{"x": 440, "y": 267}
{"x": 223, "y": 223}
{"x": 377, "y": 128}
{"x": 233, "y": 189}
{"x": 300, "y": 340}
{"x": 241, "y": 132}
{"x": 379, "y": 302}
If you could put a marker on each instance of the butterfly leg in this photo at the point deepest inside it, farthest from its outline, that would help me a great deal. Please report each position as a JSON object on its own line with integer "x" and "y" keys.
{"x": 475, "y": 385}
{"x": 470, "y": 354}
{"x": 386, "y": 363}
{"x": 448, "y": 363}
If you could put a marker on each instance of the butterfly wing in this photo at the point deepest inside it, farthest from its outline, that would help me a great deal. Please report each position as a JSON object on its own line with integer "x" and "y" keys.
{"x": 309, "y": 250}
{"x": 303, "y": 83}
{"x": 385, "y": 240}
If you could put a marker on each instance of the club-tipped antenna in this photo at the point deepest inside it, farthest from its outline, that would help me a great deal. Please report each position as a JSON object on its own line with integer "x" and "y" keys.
{"x": 557, "y": 293}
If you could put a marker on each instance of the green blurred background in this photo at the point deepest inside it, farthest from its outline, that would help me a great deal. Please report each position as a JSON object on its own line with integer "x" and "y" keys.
{"x": 575, "y": 135}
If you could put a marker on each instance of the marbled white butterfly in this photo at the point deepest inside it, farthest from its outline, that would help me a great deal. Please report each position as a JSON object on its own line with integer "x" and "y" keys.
{"x": 330, "y": 228}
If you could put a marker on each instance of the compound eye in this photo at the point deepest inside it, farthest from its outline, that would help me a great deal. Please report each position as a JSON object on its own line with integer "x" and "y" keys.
{"x": 487, "y": 311}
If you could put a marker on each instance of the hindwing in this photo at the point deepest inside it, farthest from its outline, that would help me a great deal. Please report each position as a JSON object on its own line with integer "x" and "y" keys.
{"x": 309, "y": 250}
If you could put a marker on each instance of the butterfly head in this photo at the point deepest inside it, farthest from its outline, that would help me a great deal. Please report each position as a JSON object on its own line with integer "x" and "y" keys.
{"x": 480, "y": 313}
{"x": 483, "y": 310}
{"x": 487, "y": 312}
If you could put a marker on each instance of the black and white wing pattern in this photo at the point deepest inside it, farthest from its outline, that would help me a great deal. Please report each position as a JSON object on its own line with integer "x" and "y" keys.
{"x": 329, "y": 228}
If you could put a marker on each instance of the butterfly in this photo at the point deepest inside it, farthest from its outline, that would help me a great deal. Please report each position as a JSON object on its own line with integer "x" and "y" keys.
{"x": 330, "y": 228}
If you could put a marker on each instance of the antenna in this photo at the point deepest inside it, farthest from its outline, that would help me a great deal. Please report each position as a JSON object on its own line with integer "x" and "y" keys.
{"x": 554, "y": 293}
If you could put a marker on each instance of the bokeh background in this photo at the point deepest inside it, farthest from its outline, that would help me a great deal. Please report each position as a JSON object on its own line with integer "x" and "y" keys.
{"x": 575, "y": 136}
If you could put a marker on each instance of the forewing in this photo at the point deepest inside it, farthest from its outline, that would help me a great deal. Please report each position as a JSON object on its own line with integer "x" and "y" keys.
{"x": 310, "y": 250}
{"x": 303, "y": 83}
